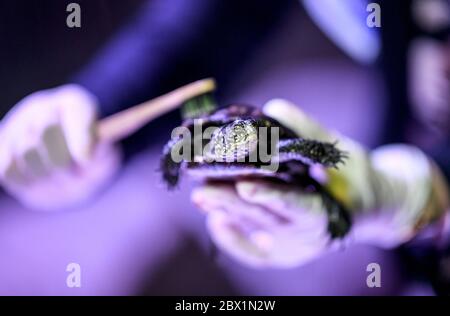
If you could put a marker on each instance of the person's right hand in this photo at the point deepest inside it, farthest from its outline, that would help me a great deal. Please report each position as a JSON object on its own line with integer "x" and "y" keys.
{"x": 49, "y": 158}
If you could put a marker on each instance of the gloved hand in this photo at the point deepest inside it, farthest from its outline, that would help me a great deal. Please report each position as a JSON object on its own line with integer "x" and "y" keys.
{"x": 388, "y": 191}
{"x": 49, "y": 158}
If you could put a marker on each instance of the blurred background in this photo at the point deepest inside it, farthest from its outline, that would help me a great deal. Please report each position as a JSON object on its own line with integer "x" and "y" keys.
{"x": 138, "y": 238}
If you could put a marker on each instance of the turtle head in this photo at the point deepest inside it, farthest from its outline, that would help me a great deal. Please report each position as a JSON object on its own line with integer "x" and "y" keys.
{"x": 233, "y": 142}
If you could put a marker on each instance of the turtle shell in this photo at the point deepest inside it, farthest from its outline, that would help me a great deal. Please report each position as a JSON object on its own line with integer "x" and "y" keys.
{"x": 227, "y": 156}
{"x": 237, "y": 125}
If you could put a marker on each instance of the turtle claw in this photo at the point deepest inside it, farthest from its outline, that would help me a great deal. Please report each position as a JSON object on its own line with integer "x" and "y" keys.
{"x": 312, "y": 151}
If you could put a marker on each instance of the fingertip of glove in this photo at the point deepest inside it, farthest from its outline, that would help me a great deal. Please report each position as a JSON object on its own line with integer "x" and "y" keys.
{"x": 279, "y": 107}
{"x": 247, "y": 188}
{"x": 197, "y": 196}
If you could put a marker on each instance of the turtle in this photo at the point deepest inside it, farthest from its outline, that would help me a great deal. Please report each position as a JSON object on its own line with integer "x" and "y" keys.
{"x": 225, "y": 156}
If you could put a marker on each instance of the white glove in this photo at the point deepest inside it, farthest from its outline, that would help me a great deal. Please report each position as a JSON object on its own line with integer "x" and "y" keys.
{"x": 49, "y": 158}
{"x": 266, "y": 225}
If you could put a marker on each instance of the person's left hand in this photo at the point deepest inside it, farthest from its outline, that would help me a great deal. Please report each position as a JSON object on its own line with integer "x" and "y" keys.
{"x": 391, "y": 193}
{"x": 263, "y": 224}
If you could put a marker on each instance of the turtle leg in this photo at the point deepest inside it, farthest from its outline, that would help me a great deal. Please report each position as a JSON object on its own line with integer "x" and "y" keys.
{"x": 310, "y": 151}
{"x": 339, "y": 220}
{"x": 339, "y": 217}
{"x": 169, "y": 168}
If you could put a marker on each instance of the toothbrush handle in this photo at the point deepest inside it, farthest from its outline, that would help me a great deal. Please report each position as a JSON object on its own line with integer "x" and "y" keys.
{"x": 121, "y": 125}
